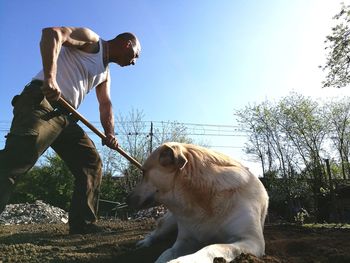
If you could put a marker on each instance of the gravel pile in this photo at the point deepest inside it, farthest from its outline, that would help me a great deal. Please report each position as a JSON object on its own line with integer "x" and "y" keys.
{"x": 154, "y": 212}
{"x": 37, "y": 213}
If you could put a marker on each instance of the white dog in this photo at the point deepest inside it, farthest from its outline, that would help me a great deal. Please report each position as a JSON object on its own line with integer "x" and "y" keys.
{"x": 216, "y": 204}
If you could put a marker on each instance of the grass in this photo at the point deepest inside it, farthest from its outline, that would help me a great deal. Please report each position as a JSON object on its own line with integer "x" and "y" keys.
{"x": 327, "y": 226}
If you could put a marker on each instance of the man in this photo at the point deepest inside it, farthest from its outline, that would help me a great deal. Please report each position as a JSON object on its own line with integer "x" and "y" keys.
{"x": 75, "y": 60}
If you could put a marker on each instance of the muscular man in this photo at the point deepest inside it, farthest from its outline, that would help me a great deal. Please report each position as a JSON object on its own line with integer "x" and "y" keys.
{"x": 75, "y": 60}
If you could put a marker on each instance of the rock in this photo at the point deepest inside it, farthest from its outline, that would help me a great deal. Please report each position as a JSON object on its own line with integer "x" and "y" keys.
{"x": 37, "y": 213}
{"x": 153, "y": 212}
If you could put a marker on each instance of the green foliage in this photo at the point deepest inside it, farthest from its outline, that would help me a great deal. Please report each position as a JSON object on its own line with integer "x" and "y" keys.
{"x": 285, "y": 136}
{"x": 301, "y": 216}
{"x": 51, "y": 182}
{"x": 288, "y": 196}
{"x": 292, "y": 138}
{"x": 338, "y": 114}
{"x": 337, "y": 45}
{"x": 112, "y": 189}
{"x": 327, "y": 226}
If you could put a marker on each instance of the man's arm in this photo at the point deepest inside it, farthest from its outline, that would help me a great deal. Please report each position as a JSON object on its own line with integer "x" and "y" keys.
{"x": 106, "y": 113}
{"x": 52, "y": 39}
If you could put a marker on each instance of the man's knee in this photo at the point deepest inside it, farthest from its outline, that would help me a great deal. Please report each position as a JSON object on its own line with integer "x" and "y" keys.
{"x": 89, "y": 166}
{"x": 98, "y": 175}
{"x": 95, "y": 162}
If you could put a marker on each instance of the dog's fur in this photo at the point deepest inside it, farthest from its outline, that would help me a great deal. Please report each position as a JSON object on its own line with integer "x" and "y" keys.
{"x": 216, "y": 204}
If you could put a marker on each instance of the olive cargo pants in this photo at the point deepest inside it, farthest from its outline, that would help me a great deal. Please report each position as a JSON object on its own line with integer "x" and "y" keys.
{"x": 37, "y": 125}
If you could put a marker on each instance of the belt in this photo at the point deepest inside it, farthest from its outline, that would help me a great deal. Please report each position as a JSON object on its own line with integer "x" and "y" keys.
{"x": 54, "y": 104}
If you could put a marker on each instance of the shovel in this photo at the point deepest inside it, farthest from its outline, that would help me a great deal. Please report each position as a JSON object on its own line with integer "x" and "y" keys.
{"x": 80, "y": 117}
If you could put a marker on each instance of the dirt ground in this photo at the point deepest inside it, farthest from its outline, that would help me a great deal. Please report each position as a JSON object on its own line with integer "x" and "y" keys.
{"x": 51, "y": 243}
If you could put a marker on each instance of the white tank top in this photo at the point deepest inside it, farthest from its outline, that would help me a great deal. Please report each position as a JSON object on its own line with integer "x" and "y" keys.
{"x": 78, "y": 72}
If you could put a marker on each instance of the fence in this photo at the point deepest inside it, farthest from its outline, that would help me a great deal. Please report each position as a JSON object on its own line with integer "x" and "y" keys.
{"x": 318, "y": 202}
{"x": 113, "y": 209}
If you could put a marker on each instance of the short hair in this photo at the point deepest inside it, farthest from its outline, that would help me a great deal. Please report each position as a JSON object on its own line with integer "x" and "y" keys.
{"x": 130, "y": 36}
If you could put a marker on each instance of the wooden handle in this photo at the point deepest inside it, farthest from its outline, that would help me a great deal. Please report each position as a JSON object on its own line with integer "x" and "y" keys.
{"x": 80, "y": 117}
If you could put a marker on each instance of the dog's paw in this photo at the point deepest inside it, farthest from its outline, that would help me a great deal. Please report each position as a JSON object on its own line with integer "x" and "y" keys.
{"x": 191, "y": 259}
{"x": 180, "y": 260}
{"x": 184, "y": 259}
{"x": 147, "y": 242}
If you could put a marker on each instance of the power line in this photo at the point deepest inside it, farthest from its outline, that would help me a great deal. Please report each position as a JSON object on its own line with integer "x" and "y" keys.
{"x": 226, "y": 146}
{"x": 160, "y": 122}
{"x": 200, "y": 130}
{"x": 160, "y": 128}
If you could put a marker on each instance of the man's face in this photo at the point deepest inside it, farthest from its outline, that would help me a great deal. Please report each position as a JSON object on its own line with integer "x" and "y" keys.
{"x": 130, "y": 54}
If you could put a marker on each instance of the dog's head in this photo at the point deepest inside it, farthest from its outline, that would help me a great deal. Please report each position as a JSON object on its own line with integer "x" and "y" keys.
{"x": 159, "y": 172}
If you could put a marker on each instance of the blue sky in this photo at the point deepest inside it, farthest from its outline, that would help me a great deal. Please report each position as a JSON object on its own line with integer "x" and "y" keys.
{"x": 200, "y": 59}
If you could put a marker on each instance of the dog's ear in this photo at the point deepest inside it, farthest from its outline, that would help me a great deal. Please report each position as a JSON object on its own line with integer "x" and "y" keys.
{"x": 170, "y": 156}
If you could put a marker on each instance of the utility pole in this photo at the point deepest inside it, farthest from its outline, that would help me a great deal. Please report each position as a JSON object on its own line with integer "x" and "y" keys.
{"x": 151, "y": 139}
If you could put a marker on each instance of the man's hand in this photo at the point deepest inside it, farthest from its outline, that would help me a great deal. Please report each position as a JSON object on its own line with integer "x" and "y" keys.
{"x": 111, "y": 141}
{"x": 51, "y": 90}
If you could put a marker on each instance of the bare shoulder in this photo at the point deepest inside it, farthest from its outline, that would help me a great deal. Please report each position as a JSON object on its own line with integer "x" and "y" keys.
{"x": 79, "y": 37}
{"x": 83, "y": 34}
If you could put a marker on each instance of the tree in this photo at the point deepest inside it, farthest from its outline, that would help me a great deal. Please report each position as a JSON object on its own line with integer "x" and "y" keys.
{"x": 291, "y": 132}
{"x": 338, "y": 47}
{"x": 294, "y": 135}
{"x": 267, "y": 140}
{"x": 338, "y": 114}
{"x": 303, "y": 123}
{"x": 253, "y": 119}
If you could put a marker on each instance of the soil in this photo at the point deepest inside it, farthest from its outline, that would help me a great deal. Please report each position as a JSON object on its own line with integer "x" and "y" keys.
{"x": 51, "y": 243}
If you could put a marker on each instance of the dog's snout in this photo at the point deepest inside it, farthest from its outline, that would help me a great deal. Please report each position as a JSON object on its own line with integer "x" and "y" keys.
{"x": 137, "y": 201}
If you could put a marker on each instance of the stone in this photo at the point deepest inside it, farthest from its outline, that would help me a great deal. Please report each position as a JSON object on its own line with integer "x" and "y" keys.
{"x": 36, "y": 213}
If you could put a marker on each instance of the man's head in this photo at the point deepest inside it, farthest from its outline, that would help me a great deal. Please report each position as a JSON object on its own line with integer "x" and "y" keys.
{"x": 125, "y": 49}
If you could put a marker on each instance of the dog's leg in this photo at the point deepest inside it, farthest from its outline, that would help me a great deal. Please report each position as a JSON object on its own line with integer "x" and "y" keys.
{"x": 226, "y": 251}
{"x": 165, "y": 226}
{"x": 182, "y": 246}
